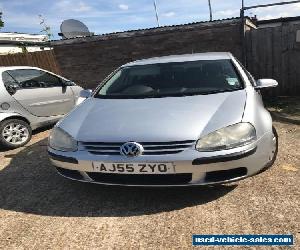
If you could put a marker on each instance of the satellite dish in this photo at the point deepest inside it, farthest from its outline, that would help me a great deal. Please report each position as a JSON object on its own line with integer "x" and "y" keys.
{"x": 72, "y": 28}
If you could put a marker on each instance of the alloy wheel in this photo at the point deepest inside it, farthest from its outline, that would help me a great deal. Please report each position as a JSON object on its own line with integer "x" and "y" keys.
{"x": 15, "y": 133}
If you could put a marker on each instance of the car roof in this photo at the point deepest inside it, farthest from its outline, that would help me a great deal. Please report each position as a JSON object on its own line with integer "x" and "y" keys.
{"x": 182, "y": 58}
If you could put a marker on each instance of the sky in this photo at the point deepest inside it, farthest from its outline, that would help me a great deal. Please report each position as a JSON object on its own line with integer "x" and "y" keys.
{"x": 105, "y": 16}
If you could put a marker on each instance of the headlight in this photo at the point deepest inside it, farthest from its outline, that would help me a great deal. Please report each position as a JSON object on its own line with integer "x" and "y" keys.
{"x": 236, "y": 135}
{"x": 61, "y": 140}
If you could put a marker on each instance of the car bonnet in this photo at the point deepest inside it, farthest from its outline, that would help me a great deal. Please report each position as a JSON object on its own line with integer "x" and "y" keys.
{"x": 154, "y": 119}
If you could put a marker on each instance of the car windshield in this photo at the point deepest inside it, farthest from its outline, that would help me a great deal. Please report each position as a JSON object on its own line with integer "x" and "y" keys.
{"x": 171, "y": 79}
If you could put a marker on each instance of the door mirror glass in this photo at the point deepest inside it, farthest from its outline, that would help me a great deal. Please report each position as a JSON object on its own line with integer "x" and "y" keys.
{"x": 86, "y": 93}
{"x": 266, "y": 83}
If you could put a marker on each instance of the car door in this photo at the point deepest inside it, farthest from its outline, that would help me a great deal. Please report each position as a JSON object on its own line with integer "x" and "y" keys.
{"x": 42, "y": 93}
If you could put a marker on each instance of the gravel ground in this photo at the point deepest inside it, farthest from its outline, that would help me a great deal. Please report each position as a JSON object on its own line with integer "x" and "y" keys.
{"x": 39, "y": 209}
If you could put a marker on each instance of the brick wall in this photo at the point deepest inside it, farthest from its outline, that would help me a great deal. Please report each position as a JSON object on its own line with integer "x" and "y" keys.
{"x": 88, "y": 60}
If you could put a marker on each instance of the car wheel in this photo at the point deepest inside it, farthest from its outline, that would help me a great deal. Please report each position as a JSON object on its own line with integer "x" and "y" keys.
{"x": 14, "y": 133}
{"x": 274, "y": 150}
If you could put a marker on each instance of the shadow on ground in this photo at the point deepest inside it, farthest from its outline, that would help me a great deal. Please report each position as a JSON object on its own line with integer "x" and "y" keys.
{"x": 285, "y": 109}
{"x": 30, "y": 184}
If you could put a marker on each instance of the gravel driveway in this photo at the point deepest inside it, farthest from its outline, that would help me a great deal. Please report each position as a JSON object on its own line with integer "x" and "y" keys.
{"x": 39, "y": 209}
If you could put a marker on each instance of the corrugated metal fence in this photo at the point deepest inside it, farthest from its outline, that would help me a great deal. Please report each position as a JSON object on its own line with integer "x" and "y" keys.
{"x": 42, "y": 59}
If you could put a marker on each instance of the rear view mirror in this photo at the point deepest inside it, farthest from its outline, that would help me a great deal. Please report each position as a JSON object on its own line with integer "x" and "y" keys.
{"x": 266, "y": 83}
{"x": 85, "y": 93}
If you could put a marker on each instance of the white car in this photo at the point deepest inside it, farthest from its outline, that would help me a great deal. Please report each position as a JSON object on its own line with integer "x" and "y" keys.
{"x": 30, "y": 98}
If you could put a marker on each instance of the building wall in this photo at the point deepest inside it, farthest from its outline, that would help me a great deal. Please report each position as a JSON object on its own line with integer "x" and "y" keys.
{"x": 11, "y": 49}
{"x": 88, "y": 60}
{"x": 12, "y": 43}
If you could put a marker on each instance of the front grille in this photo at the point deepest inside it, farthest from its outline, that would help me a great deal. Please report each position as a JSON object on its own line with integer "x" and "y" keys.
{"x": 150, "y": 148}
{"x": 139, "y": 179}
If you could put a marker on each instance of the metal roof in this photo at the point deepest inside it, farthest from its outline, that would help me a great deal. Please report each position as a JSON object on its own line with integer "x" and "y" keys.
{"x": 277, "y": 20}
{"x": 141, "y": 31}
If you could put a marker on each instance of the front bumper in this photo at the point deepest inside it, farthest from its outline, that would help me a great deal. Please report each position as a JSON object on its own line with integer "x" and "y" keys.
{"x": 191, "y": 167}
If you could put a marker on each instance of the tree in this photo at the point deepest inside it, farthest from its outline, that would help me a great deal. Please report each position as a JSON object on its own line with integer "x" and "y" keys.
{"x": 1, "y": 22}
{"x": 46, "y": 28}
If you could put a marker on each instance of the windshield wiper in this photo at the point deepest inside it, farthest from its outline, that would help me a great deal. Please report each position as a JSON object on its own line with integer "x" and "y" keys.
{"x": 216, "y": 91}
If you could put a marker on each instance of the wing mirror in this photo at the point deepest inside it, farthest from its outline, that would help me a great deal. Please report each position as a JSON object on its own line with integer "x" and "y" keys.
{"x": 266, "y": 83}
{"x": 85, "y": 93}
{"x": 66, "y": 83}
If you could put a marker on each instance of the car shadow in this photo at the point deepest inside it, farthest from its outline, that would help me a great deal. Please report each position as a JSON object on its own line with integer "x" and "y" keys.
{"x": 29, "y": 184}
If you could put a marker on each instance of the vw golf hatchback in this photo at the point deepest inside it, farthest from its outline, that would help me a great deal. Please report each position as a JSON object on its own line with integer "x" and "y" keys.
{"x": 177, "y": 120}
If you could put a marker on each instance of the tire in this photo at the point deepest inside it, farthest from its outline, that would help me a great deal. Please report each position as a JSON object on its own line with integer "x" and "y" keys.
{"x": 271, "y": 162}
{"x": 14, "y": 133}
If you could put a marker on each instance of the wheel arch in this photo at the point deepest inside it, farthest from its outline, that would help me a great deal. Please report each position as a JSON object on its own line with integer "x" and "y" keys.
{"x": 14, "y": 116}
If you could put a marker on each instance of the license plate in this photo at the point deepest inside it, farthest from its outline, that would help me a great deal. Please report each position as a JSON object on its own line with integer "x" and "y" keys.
{"x": 134, "y": 168}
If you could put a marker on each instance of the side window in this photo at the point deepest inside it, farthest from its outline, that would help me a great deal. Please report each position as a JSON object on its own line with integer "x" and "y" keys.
{"x": 31, "y": 78}
{"x": 48, "y": 80}
{"x": 9, "y": 81}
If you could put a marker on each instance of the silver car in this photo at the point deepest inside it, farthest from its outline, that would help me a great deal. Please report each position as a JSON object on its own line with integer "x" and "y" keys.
{"x": 30, "y": 98}
{"x": 177, "y": 120}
